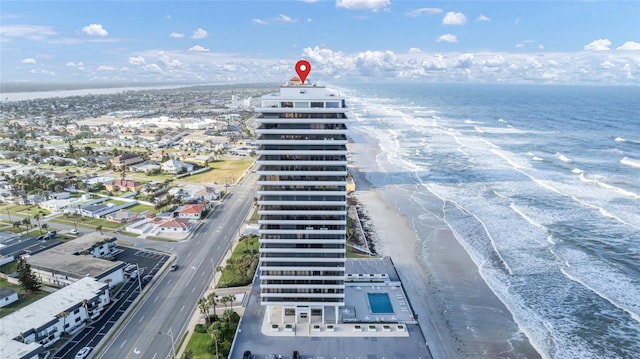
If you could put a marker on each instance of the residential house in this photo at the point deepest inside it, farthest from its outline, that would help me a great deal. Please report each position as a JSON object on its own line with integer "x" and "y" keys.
{"x": 126, "y": 159}
{"x": 174, "y": 225}
{"x": 7, "y": 296}
{"x": 192, "y": 211}
{"x": 124, "y": 185}
{"x": 122, "y": 216}
{"x": 175, "y": 166}
{"x": 40, "y": 324}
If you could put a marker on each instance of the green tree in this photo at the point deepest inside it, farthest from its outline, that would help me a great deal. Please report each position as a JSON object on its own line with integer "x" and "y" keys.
{"x": 203, "y": 305}
{"x": 99, "y": 228}
{"x": 28, "y": 281}
{"x": 212, "y": 298}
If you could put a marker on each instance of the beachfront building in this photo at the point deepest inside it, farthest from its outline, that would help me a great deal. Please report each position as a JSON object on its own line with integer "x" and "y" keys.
{"x": 302, "y": 167}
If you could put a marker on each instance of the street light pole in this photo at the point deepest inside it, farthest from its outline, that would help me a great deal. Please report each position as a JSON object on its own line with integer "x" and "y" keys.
{"x": 173, "y": 348}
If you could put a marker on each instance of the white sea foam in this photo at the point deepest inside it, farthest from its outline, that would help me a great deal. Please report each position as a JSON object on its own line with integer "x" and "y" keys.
{"x": 630, "y": 162}
{"x": 619, "y": 139}
{"x": 605, "y": 185}
{"x": 563, "y": 158}
{"x": 577, "y": 171}
{"x": 536, "y": 158}
{"x": 526, "y": 218}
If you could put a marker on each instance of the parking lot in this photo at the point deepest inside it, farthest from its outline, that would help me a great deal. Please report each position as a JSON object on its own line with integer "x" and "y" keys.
{"x": 149, "y": 263}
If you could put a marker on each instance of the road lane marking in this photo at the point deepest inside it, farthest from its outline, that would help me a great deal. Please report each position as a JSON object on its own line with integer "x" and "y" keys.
{"x": 181, "y": 309}
{"x": 141, "y": 319}
{"x": 123, "y": 343}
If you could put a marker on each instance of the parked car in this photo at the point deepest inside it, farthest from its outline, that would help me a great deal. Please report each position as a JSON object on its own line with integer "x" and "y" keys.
{"x": 133, "y": 275}
{"x": 74, "y": 231}
{"x": 147, "y": 278}
{"x": 83, "y": 353}
{"x": 247, "y": 354}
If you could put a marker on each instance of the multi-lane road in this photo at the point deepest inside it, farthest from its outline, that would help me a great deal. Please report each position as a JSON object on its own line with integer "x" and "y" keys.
{"x": 164, "y": 311}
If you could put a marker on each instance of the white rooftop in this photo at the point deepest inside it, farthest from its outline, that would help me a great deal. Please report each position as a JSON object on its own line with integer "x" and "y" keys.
{"x": 40, "y": 313}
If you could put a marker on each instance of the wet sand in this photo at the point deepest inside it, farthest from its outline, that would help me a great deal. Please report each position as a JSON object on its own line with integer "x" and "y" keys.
{"x": 459, "y": 314}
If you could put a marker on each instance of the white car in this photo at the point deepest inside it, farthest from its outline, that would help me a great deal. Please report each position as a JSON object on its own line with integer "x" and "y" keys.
{"x": 83, "y": 353}
{"x": 73, "y": 231}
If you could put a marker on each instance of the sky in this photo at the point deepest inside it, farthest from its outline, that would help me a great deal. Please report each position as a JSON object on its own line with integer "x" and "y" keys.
{"x": 500, "y": 41}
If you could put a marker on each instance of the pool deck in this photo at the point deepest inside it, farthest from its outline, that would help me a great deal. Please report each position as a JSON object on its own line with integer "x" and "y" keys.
{"x": 364, "y": 276}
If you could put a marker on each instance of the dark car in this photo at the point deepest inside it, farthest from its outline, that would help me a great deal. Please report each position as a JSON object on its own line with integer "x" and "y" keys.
{"x": 247, "y": 354}
{"x": 295, "y": 355}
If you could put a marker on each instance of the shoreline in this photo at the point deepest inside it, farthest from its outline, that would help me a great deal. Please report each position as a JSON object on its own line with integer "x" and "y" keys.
{"x": 459, "y": 314}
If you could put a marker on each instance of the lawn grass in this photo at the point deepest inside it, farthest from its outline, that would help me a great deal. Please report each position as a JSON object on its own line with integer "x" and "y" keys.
{"x": 87, "y": 222}
{"x": 24, "y": 299}
{"x": 199, "y": 344}
{"x": 222, "y": 171}
{"x": 230, "y": 277}
{"x": 139, "y": 208}
{"x": 115, "y": 202}
{"x": 23, "y": 210}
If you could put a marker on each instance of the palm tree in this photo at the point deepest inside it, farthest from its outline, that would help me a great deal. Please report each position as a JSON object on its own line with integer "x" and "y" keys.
{"x": 44, "y": 226}
{"x": 213, "y": 301}
{"x": 18, "y": 224}
{"x": 203, "y": 305}
{"x": 64, "y": 316}
{"x": 99, "y": 228}
{"x": 27, "y": 222}
{"x": 214, "y": 331}
{"x": 37, "y": 218}
{"x": 85, "y": 305}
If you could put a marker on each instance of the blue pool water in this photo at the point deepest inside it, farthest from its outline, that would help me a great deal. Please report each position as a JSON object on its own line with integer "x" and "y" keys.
{"x": 380, "y": 303}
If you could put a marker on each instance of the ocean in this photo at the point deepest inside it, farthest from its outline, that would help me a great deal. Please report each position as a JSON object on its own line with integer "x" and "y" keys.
{"x": 541, "y": 186}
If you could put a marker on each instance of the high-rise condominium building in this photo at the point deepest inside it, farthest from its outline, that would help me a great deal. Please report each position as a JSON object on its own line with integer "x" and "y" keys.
{"x": 302, "y": 168}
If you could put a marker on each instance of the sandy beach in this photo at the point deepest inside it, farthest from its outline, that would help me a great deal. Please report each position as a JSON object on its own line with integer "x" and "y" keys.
{"x": 459, "y": 314}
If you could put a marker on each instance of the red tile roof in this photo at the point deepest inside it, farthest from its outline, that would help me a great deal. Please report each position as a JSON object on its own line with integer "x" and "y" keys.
{"x": 193, "y": 208}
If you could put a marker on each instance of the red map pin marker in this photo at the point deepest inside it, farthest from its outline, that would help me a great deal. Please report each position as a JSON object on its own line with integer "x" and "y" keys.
{"x": 303, "y": 67}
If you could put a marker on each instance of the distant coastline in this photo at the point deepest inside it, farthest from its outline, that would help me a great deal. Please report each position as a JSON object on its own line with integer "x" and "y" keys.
{"x": 32, "y": 91}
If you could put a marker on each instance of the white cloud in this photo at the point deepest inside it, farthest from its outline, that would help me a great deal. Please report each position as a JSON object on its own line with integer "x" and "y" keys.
{"x": 373, "y": 5}
{"x": 285, "y": 18}
{"x": 424, "y": 11}
{"x": 77, "y": 65}
{"x": 454, "y": 18}
{"x": 607, "y": 65}
{"x": 199, "y": 34}
{"x": 447, "y": 38}
{"x": 630, "y": 45}
{"x": 176, "y": 35}
{"x": 105, "y": 68}
{"x": 42, "y": 72}
{"x": 95, "y": 30}
{"x": 153, "y": 68}
{"x": 136, "y": 60}
{"x": 199, "y": 48}
{"x": 32, "y": 32}
{"x": 598, "y": 45}
{"x": 166, "y": 60}
{"x": 29, "y": 60}
{"x": 519, "y": 45}
{"x": 483, "y": 18}
{"x": 279, "y": 18}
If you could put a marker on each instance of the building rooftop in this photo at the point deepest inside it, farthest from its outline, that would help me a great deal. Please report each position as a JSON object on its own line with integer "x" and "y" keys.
{"x": 67, "y": 258}
{"x": 41, "y": 313}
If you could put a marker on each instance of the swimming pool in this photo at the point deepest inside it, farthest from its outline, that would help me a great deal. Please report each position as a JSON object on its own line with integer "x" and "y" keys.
{"x": 380, "y": 303}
